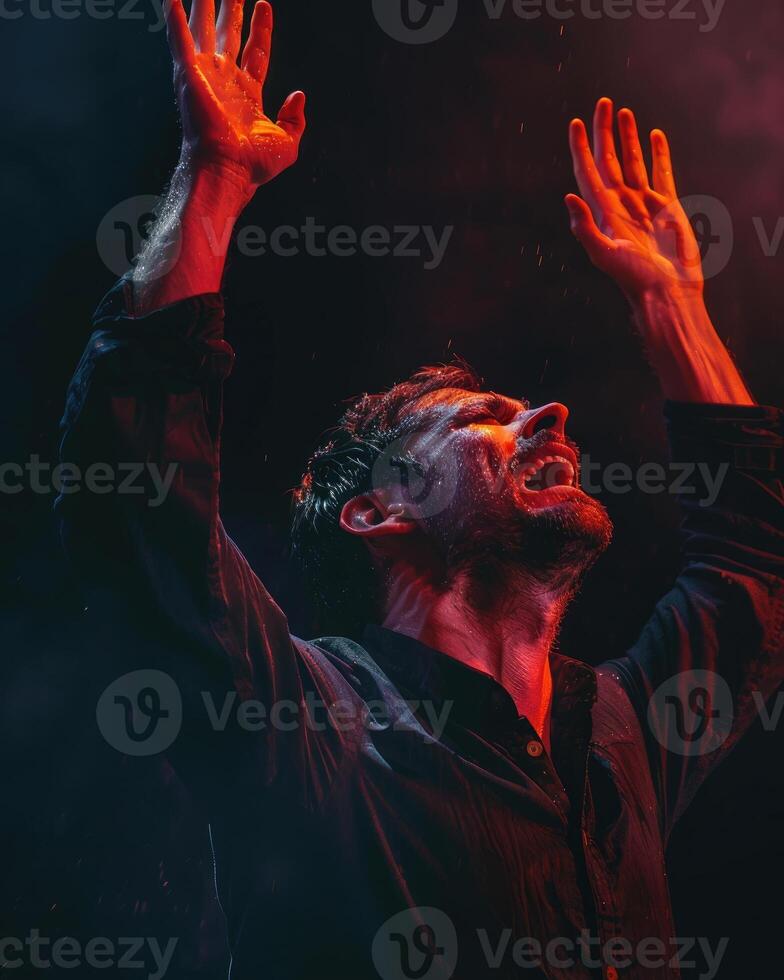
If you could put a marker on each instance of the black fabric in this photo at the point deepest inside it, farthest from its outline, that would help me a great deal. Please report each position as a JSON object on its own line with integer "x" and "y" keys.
{"x": 390, "y": 811}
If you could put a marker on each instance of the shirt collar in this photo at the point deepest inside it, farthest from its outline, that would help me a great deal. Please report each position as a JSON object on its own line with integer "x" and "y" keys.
{"x": 478, "y": 701}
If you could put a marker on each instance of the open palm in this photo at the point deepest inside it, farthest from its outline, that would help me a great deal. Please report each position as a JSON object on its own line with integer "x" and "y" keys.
{"x": 635, "y": 231}
{"x": 220, "y": 101}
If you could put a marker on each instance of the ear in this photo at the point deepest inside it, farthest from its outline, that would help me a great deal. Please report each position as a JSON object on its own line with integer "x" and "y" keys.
{"x": 371, "y": 517}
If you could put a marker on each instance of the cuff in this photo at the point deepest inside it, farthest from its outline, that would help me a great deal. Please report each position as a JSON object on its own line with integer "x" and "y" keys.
{"x": 184, "y": 338}
{"x": 748, "y": 437}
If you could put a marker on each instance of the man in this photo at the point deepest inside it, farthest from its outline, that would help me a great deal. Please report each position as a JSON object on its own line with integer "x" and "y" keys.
{"x": 441, "y": 794}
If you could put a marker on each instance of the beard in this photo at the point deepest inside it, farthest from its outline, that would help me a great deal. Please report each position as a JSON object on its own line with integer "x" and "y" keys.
{"x": 555, "y": 545}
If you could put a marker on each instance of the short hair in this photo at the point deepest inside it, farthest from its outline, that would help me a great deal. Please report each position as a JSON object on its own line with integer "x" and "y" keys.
{"x": 341, "y": 580}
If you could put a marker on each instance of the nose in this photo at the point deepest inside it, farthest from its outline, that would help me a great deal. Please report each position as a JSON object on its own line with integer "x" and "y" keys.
{"x": 551, "y": 416}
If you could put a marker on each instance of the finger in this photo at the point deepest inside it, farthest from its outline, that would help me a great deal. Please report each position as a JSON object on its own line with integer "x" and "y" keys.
{"x": 255, "y": 56}
{"x": 604, "y": 144}
{"x": 291, "y": 117}
{"x": 202, "y": 24}
{"x": 229, "y": 28}
{"x": 178, "y": 34}
{"x": 663, "y": 180}
{"x": 598, "y": 246}
{"x": 588, "y": 180}
{"x": 634, "y": 171}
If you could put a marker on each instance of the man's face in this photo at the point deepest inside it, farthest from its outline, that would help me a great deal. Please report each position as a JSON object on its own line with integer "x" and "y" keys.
{"x": 500, "y": 482}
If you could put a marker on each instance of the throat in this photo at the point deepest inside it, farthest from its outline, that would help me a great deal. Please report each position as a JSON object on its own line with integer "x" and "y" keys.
{"x": 505, "y": 632}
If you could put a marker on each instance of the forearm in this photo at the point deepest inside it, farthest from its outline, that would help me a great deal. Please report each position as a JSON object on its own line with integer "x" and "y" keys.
{"x": 146, "y": 401}
{"x": 185, "y": 253}
{"x": 721, "y": 627}
{"x": 684, "y": 349}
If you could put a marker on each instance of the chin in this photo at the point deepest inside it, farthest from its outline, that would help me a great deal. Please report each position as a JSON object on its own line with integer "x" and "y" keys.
{"x": 564, "y": 501}
{"x": 563, "y": 529}
{"x": 557, "y": 533}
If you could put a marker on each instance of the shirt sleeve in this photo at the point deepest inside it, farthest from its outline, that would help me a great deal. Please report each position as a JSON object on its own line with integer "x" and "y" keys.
{"x": 710, "y": 657}
{"x": 147, "y": 397}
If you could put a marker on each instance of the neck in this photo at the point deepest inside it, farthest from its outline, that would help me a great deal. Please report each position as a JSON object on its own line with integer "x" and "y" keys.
{"x": 505, "y": 627}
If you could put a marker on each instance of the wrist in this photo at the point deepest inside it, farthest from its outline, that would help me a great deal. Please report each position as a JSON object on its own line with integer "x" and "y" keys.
{"x": 684, "y": 349}
{"x": 672, "y": 320}
{"x": 186, "y": 252}
{"x": 220, "y": 188}
{"x": 688, "y": 299}
{"x": 212, "y": 198}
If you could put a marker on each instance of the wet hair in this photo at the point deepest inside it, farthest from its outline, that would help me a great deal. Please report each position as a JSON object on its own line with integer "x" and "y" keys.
{"x": 340, "y": 577}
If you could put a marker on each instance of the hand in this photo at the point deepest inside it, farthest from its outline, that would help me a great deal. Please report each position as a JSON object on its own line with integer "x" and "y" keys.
{"x": 636, "y": 233}
{"x": 641, "y": 236}
{"x": 224, "y": 126}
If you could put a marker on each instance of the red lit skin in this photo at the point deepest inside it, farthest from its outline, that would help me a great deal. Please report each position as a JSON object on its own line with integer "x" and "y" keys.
{"x": 635, "y": 230}
{"x": 624, "y": 221}
{"x": 620, "y": 222}
{"x": 507, "y": 634}
{"x": 229, "y": 147}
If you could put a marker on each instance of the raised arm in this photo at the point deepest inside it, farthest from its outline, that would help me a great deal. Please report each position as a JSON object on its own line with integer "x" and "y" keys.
{"x": 229, "y": 148}
{"x": 146, "y": 400}
{"x": 711, "y": 654}
{"x": 635, "y": 230}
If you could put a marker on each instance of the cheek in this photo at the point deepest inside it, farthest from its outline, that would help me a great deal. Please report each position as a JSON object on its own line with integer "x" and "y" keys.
{"x": 484, "y": 468}
{"x": 492, "y": 458}
{"x": 468, "y": 474}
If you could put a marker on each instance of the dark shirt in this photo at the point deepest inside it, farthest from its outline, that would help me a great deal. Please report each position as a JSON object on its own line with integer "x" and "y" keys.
{"x": 381, "y": 842}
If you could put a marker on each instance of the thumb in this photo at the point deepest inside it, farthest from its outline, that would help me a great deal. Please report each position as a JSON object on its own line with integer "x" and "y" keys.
{"x": 585, "y": 230}
{"x": 291, "y": 117}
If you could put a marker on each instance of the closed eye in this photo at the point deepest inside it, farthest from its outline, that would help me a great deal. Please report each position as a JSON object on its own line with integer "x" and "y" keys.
{"x": 489, "y": 409}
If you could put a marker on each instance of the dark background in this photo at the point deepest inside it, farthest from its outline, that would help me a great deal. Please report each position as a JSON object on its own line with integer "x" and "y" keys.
{"x": 468, "y": 131}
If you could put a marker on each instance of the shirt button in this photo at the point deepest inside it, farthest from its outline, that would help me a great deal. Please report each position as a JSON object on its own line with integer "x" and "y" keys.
{"x": 611, "y": 973}
{"x": 534, "y": 748}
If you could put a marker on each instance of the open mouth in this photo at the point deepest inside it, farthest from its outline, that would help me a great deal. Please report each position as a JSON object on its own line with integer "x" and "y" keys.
{"x": 548, "y": 469}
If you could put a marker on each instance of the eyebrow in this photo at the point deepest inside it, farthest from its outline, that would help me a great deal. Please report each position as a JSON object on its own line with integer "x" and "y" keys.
{"x": 470, "y": 403}
{"x": 494, "y": 403}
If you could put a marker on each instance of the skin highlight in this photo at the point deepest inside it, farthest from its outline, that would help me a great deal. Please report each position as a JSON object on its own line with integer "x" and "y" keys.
{"x": 487, "y": 579}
